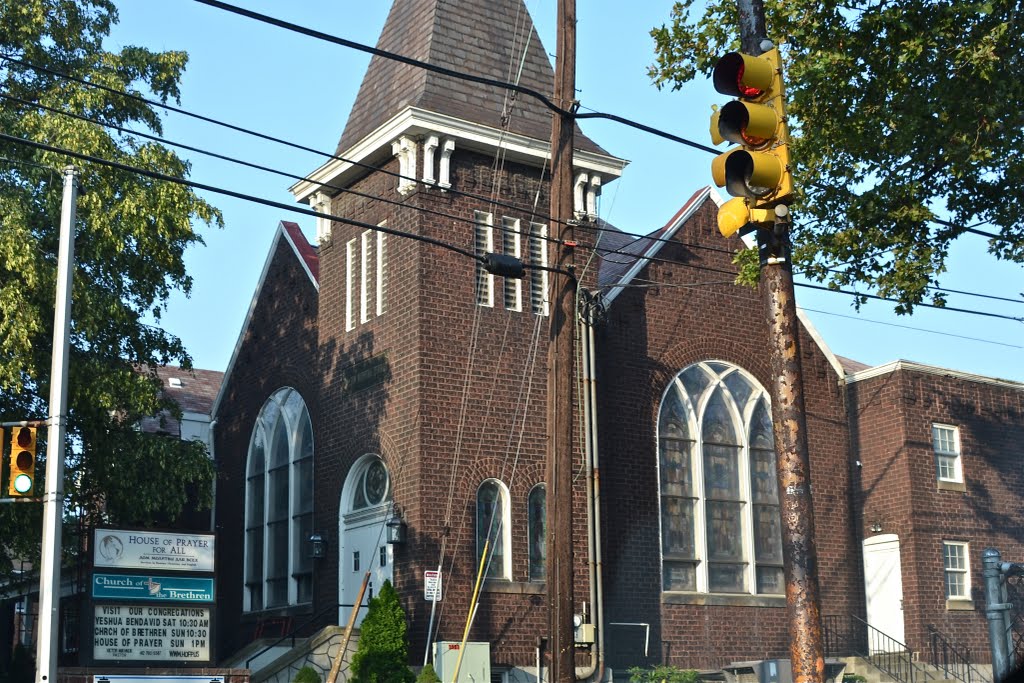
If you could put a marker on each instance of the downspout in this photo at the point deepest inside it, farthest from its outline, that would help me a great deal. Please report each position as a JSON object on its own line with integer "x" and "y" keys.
{"x": 595, "y": 670}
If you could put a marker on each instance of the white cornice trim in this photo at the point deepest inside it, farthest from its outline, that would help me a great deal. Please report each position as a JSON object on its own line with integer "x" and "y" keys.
{"x": 415, "y": 121}
{"x": 281, "y": 233}
{"x": 820, "y": 341}
{"x": 911, "y": 366}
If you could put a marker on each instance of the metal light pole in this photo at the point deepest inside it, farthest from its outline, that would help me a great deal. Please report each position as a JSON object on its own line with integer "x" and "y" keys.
{"x": 53, "y": 498}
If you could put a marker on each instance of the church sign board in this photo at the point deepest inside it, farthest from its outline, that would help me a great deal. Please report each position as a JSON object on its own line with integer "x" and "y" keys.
{"x": 162, "y": 615}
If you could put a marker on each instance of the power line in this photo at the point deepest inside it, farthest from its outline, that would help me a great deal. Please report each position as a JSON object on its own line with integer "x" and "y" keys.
{"x": 249, "y": 164}
{"x": 257, "y": 134}
{"x": 910, "y": 327}
{"x": 327, "y": 37}
{"x": 935, "y": 306}
{"x": 240, "y": 195}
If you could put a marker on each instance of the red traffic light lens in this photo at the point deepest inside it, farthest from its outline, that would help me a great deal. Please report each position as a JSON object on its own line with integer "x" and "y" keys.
{"x": 24, "y": 437}
{"x": 746, "y": 90}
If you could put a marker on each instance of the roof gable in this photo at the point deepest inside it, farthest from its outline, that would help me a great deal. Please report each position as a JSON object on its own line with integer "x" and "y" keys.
{"x": 491, "y": 38}
{"x": 308, "y": 258}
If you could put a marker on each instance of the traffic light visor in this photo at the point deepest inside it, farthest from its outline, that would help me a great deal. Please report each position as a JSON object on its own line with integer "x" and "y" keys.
{"x": 736, "y": 214}
{"x": 748, "y": 174}
{"x": 741, "y": 75}
{"x": 754, "y": 125}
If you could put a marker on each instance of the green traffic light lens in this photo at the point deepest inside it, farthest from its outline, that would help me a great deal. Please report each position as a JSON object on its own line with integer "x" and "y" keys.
{"x": 23, "y": 483}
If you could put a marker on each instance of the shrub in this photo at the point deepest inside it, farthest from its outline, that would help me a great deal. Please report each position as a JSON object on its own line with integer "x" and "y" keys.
{"x": 428, "y": 675}
{"x": 383, "y": 655}
{"x": 307, "y": 674}
{"x": 663, "y": 674}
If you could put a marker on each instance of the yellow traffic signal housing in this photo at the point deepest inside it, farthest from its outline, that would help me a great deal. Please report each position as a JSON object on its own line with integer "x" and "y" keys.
{"x": 759, "y": 169}
{"x": 23, "y": 462}
{"x": 736, "y": 214}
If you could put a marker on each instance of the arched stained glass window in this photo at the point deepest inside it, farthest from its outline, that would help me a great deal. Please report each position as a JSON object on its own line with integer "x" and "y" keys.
{"x": 720, "y": 526}
{"x": 279, "y": 504}
{"x": 492, "y": 528}
{"x": 536, "y": 511}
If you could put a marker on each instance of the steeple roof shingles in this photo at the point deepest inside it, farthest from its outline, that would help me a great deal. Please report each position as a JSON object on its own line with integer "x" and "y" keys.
{"x": 481, "y": 37}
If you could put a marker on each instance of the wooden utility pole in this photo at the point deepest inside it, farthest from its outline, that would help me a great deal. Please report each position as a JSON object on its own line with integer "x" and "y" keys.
{"x": 800, "y": 554}
{"x": 561, "y": 350}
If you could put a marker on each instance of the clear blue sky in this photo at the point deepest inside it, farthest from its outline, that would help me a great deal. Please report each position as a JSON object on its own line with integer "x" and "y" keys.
{"x": 300, "y": 89}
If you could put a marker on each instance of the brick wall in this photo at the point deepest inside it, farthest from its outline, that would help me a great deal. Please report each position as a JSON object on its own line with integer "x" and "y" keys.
{"x": 652, "y": 334}
{"x": 278, "y": 350}
{"x": 899, "y": 490}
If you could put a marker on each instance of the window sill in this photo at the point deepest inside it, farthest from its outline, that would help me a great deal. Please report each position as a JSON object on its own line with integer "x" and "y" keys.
{"x": 951, "y": 485}
{"x": 514, "y": 587}
{"x": 960, "y": 605}
{"x": 723, "y": 599}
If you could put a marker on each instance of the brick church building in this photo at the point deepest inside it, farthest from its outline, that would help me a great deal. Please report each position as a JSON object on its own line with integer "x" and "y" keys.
{"x": 385, "y": 386}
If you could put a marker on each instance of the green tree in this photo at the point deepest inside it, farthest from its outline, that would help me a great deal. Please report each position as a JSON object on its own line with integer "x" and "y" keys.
{"x": 132, "y": 233}
{"x": 383, "y": 652}
{"x": 663, "y": 673}
{"x": 902, "y": 112}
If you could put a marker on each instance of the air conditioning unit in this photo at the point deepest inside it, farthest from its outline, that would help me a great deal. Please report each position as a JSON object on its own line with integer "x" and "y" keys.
{"x": 760, "y": 671}
{"x": 475, "y": 666}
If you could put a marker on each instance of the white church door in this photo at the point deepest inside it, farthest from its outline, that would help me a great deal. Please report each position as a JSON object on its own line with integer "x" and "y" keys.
{"x": 365, "y": 509}
{"x": 883, "y": 587}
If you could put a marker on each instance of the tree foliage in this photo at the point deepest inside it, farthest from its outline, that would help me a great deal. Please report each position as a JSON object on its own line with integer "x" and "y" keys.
{"x": 132, "y": 233}
{"x": 383, "y": 652}
{"x": 901, "y": 112}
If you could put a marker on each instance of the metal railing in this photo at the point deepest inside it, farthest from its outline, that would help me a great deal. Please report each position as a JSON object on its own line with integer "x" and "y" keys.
{"x": 953, "y": 659}
{"x": 293, "y": 633}
{"x": 846, "y": 636}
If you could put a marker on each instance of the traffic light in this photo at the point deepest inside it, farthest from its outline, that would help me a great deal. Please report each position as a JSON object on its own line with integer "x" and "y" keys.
{"x": 23, "y": 462}
{"x": 757, "y": 172}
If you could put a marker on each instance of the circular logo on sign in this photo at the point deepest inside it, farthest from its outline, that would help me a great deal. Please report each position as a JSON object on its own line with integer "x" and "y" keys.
{"x": 111, "y": 548}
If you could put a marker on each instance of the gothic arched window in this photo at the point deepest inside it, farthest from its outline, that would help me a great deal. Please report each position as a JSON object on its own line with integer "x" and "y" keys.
{"x": 720, "y": 524}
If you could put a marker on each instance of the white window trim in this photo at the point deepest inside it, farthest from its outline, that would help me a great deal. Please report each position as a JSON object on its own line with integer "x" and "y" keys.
{"x": 382, "y": 270}
{"x": 956, "y": 455}
{"x": 966, "y": 571}
{"x": 366, "y": 247}
{"x": 295, "y": 544}
{"x": 539, "y": 278}
{"x": 484, "y": 223}
{"x": 506, "y": 531}
{"x": 511, "y": 238}
{"x": 350, "y": 257}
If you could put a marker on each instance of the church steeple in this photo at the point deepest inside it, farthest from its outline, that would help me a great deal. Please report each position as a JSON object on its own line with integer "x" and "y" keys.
{"x": 491, "y": 38}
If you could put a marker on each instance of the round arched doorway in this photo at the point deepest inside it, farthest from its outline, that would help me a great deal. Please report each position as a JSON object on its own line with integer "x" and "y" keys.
{"x": 365, "y": 508}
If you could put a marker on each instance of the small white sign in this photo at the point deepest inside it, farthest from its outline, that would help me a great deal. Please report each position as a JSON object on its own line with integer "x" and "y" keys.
{"x": 432, "y": 585}
{"x": 118, "y": 678}
{"x": 162, "y": 550}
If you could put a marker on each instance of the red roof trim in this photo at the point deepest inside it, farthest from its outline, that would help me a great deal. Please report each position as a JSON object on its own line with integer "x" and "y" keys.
{"x": 304, "y": 248}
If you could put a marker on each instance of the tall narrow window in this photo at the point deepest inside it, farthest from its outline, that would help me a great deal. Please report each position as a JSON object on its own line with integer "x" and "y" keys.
{"x": 720, "y": 524}
{"x": 278, "y": 509}
{"x": 957, "y": 570}
{"x": 350, "y": 268}
{"x": 492, "y": 532}
{"x": 536, "y": 514}
{"x": 382, "y": 271}
{"x": 484, "y": 243}
{"x": 511, "y": 246}
{"x": 946, "y": 443}
{"x": 538, "y": 277}
{"x": 365, "y": 274}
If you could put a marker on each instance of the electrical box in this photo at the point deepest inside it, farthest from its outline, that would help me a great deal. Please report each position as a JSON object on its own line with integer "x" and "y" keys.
{"x": 475, "y": 666}
{"x": 584, "y": 634}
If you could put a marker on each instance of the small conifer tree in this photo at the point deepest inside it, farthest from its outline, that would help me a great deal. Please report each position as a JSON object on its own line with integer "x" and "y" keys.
{"x": 383, "y": 652}
{"x": 428, "y": 674}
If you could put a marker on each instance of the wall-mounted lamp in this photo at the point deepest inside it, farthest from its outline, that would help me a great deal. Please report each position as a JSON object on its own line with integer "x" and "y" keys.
{"x": 876, "y": 527}
{"x": 396, "y": 529}
{"x": 318, "y": 545}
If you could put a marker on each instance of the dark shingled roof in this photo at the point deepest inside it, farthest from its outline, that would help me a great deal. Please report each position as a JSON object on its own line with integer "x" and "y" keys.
{"x": 851, "y": 366}
{"x": 193, "y": 390}
{"x": 481, "y": 37}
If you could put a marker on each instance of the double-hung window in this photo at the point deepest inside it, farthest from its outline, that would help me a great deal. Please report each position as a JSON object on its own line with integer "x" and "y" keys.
{"x": 957, "y": 570}
{"x": 946, "y": 444}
